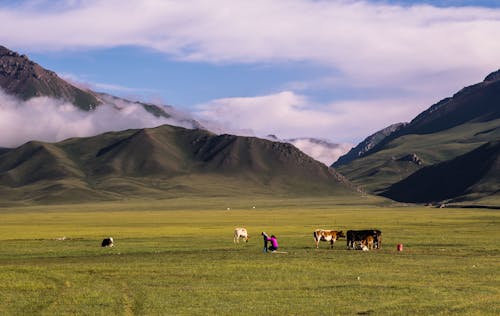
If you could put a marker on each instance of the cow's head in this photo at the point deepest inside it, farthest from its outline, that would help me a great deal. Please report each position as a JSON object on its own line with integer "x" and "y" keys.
{"x": 340, "y": 234}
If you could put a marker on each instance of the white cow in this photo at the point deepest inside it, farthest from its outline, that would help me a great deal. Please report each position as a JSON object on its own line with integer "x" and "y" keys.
{"x": 240, "y": 232}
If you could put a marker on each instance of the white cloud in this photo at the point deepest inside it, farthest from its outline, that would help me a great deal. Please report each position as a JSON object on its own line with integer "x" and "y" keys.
{"x": 322, "y": 151}
{"x": 47, "y": 119}
{"x": 363, "y": 40}
{"x": 289, "y": 115}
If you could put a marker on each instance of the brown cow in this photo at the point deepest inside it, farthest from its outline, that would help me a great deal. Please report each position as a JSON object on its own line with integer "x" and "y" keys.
{"x": 327, "y": 235}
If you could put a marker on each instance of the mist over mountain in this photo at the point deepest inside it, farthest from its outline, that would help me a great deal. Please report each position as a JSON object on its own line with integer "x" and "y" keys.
{"x": 35, "y": 104}
{"x": 320, "y": 149}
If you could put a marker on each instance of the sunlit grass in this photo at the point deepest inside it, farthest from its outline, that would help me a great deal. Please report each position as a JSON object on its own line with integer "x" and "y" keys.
{"x": 177, "y": 257}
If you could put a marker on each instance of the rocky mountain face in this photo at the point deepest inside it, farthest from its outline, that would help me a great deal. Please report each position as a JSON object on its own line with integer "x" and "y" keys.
{"x": 162, "y": 162}
{"x": 368, "y": 143}
{"x": 26, "y": 79}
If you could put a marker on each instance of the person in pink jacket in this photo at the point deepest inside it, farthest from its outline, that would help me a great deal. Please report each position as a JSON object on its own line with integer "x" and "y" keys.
{"x": 273, "y": 240}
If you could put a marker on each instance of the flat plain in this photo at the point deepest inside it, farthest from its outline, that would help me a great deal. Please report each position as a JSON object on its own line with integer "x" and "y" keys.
{"x": 177, "y": 257}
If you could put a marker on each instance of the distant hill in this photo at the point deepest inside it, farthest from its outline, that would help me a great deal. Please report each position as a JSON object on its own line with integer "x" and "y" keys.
{"x": 162, "y": 162}
{"x": 447, "y": 130}
{"x": 367, "y": 144}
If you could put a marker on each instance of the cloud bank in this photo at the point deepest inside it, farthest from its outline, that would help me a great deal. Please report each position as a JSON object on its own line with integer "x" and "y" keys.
{"x": 363, "y": 40}
{"x": 51, "y": 120}
{"x": 288, "y": 115}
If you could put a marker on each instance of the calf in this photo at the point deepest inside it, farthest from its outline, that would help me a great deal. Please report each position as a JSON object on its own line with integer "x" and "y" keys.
{"x": 368, "y": 242}
{"x": 107, "y": 242}
{"x": 240, "y": 232}
{"x": 359, "y": 235}
{"x": 326, "y": 235}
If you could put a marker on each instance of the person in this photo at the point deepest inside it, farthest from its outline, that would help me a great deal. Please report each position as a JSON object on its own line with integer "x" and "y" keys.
{"x": 273, "y": 240}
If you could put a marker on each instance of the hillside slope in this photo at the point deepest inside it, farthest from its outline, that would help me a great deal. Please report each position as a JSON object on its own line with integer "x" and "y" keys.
{"x": 447, "y": 130}
{"x": 162, "y": 162}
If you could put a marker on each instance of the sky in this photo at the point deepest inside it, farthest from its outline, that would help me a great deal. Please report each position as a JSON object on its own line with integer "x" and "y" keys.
{"x": 335, "y": 70}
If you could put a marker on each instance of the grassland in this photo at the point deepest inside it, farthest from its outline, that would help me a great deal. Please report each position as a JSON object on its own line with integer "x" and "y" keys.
{"x": 176, "y": 257}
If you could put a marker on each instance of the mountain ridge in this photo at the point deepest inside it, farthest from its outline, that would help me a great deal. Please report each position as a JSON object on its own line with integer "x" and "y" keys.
{"x": 162, "y": 162}
{"x": 445, "y": 131}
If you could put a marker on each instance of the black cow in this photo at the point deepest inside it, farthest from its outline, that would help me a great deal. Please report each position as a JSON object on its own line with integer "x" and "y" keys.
{"x": 107, "y": 242}
{"x": 359, "y": 235}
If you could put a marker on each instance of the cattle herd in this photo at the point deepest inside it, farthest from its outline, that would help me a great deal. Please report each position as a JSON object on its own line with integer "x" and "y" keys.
{"x": 356, "y": 239}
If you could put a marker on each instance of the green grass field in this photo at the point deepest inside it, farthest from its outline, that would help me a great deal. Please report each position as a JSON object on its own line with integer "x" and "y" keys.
{"x": 177, "y": 257}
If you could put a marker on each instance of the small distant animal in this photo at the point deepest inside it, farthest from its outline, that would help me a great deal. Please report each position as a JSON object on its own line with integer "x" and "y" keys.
{"x": 240, "y": 232}
{"x": 107, "y": 242}
{"x": 326, "y": 235}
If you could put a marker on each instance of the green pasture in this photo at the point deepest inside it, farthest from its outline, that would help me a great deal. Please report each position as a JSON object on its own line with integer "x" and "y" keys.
{"x": 177, "y": 257}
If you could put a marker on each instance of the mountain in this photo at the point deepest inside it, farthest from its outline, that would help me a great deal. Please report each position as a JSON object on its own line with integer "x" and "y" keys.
{"x": 367, "y": 144}
{"x": 26, "y": 79}
{"x": 162, "y": 162}
{"x": 447, "y": 130}
{"x": 469, "y": 176}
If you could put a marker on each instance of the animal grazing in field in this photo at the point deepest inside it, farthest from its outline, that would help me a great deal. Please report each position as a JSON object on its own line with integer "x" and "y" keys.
{"x": 326, "y": 235}
{"x": 354, "y": 236}
{"x": 240, "y": 232}
{"x": 107, "y": 242}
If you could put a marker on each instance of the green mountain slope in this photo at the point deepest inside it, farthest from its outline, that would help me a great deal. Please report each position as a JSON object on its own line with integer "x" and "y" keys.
{"x": 473, "y": 175}
{"x": 163, "y": 162}
{"x": 448, "y": 129}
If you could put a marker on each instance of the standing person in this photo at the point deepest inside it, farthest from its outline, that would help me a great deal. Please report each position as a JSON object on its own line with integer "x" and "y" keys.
{"x": 273, "y": 240}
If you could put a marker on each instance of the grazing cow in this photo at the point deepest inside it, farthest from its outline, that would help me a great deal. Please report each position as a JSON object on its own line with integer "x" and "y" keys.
{"x": 240, "y": 232}
{"x": 107, "y": 242}
{"x": 359, "y": 235}
{"x": 326, "y": 235}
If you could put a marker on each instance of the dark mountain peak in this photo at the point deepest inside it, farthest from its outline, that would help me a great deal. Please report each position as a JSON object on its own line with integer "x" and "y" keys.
{"x": 494, "y": 76}
{"x": 26, "y": 79}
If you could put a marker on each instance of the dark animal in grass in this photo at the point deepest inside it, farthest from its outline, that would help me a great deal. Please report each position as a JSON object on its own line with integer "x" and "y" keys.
{"x": 354, "y": 236}
{"x": 107, "y": 242}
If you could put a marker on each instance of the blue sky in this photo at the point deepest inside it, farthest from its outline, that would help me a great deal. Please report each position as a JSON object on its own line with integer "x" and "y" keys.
{"x": 338, "y": 70}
